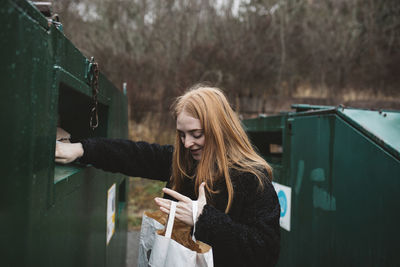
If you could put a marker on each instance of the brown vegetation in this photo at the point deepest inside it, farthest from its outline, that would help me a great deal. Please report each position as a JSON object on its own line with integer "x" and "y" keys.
{"x": 267, "y": 54}
{"x": 265, "y": 49}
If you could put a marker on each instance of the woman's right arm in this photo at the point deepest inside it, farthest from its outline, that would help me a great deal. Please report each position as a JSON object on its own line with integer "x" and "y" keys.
{"x": 139, "y": 159}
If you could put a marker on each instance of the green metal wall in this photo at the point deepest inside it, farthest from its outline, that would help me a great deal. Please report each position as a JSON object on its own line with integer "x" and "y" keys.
{"x": 345, "y": 187}
{"x": 53, "y": 215}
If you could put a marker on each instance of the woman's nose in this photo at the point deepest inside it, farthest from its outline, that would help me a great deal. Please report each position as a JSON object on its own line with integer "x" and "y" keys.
{"x": 188, "y": 142}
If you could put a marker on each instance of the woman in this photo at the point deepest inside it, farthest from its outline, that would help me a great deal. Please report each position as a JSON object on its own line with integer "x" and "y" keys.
{"x": 212, "y": 161}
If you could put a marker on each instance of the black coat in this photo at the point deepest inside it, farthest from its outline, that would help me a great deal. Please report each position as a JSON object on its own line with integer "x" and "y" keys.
{"x": 249, "y": 235}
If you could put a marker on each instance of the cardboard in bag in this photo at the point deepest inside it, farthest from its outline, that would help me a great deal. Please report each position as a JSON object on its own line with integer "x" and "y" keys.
{"x": 181, "y": 232}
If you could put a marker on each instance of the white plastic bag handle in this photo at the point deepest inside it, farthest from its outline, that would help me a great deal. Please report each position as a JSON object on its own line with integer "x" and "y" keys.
{"x": 171, "y": 218}
{"x": 194, "y": 210}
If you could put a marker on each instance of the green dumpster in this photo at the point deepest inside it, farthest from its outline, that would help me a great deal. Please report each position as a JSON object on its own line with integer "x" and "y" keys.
{"x": 337, "y": 176}
{"x": 55, "y": 215}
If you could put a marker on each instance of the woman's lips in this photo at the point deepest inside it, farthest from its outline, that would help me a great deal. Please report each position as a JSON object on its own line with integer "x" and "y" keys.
{"x": 195, "y": 151}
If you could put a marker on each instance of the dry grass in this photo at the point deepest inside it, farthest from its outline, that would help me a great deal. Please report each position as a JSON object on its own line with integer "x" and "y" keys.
{"x": 141, "y": 198}
{"x": 154, "y": 128}
{"x": 305, "y": 90}
{"x": 349, "y": 94}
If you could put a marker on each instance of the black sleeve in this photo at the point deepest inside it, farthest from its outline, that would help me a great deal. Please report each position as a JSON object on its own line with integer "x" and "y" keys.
{"x": 138, "y": 159}
{"x": 251, "y": 237}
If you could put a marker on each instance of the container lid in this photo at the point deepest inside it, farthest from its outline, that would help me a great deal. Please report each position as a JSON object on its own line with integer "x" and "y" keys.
{"x": 382, "y": 126}
{"x": 271, "y": 123}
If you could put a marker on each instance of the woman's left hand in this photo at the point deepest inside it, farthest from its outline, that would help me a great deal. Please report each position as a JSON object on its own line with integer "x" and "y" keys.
{"x": 184, "y": 205}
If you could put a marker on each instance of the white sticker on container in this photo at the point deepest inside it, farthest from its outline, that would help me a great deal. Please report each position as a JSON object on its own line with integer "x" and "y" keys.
{"x": 285, "y": 197}
{"x": 110, "y": 212}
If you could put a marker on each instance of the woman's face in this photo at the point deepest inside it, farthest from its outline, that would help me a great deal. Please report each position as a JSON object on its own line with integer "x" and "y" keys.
{"x": 191, "y": 134}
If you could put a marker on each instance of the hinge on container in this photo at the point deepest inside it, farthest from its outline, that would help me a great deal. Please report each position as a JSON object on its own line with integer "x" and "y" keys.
{"x": 55, "y": 20}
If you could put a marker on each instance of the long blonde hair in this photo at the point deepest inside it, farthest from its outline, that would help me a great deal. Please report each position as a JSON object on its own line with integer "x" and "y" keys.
{"x": 226, "y": 143}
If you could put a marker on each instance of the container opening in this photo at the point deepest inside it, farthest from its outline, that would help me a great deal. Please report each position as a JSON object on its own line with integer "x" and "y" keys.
{"x": 268, "y": 144}
{"x": 74, "y": 114}
{"x": 275, "y": 149}
{"x": 73, "y": 123}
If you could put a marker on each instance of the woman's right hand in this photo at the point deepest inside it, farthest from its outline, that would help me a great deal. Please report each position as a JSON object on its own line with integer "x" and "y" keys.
{"x": 68, "y": 152}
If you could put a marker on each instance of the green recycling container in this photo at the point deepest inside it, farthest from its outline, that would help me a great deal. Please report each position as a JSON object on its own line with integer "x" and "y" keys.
{"x": 50, "y": 214}
{"x": 337, "y": 176}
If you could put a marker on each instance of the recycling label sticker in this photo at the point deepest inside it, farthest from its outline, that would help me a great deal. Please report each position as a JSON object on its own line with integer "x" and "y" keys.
{"x": 284, "y": 195}
{"x": 110, "y": 212}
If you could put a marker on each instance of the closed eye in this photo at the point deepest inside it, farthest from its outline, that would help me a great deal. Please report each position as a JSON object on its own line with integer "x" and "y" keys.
{"x": 197, "y": 136}
{"x": 195, "y": 133}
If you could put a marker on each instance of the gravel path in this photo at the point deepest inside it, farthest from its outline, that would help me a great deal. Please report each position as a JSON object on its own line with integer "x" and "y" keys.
{"x": 132, "y": 249}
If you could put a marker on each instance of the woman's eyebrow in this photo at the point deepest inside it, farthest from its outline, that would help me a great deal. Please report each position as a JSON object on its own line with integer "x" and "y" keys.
{"x": 195, "y": 130}
{"x": 190, "y": 131}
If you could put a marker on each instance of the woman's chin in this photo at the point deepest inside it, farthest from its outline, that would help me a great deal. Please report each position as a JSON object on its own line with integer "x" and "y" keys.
{"x": 196, "y": 156}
